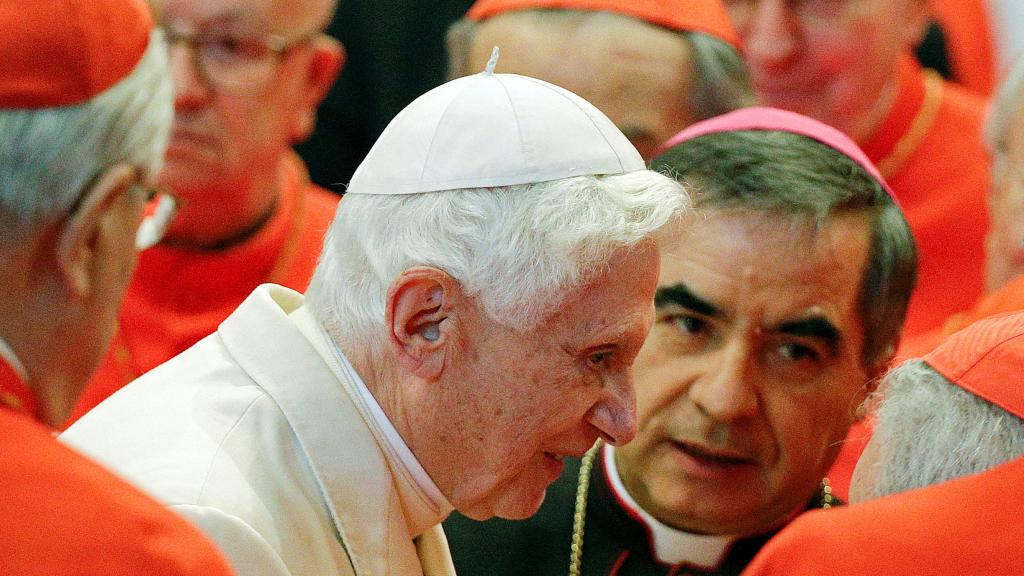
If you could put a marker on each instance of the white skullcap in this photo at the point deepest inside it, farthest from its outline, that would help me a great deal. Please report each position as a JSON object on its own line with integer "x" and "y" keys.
{"x": 490, "y": 130}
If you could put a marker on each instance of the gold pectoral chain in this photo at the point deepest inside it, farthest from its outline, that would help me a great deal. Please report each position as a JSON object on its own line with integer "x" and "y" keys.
{"x": 579, "y": 515}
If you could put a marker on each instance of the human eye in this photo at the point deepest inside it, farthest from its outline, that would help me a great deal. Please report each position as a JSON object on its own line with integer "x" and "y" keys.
{"x": 600, "y": 358}
{"x": 798, "y": 360}
{"x": 234, "y": 48}
{"x": 690, "y": 324}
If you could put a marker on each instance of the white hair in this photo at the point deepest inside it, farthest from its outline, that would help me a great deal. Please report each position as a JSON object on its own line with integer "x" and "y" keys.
{"x": 1005, "y": 106}
{"x": 49, "y": 155}
{"x": 518, "y": 249}
{"x": 930, "y": 430}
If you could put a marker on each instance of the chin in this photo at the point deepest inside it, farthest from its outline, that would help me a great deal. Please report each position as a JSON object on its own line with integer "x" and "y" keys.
{"x": 511, "y": 505}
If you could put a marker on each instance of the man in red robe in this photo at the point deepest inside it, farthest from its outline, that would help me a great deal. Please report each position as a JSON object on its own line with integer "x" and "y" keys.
{"x": 247, "y": 85}
{"x": 85, "y": 110}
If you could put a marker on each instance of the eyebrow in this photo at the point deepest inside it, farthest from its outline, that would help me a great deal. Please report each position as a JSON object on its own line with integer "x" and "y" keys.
{"x": 681, "y": 295}
{"x": 817, "y": 327}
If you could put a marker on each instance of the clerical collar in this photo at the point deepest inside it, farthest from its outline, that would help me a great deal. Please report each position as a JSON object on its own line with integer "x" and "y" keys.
{"x": 669, "y": 545}
{"x": 393, "y": 438}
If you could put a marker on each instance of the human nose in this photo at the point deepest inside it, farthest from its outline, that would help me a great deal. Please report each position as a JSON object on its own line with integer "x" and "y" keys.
{"x": 190, "y": 88}
{"x": 724, "y": 391}
{"x": 770, "y": 33}
{"x": 615, "y": 414}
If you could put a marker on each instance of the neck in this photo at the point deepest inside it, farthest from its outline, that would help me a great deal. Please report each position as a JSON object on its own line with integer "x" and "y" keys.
{"x": 863, "y": 129}
{"x": 227, "y": 214}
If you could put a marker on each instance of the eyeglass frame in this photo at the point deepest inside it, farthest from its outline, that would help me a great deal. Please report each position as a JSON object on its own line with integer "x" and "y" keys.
{"x": 277, "y": 46}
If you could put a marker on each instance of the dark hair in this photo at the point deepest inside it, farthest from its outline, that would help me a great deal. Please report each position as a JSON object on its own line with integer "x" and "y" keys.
{"x": 790, "y": 174}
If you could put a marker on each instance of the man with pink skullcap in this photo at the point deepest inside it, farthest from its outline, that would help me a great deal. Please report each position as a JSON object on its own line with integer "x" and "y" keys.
{"x": 85, "y": 110}
{"x": 653, "y": 66}
{"x": 947, "y": 449}
{"x": 776, "y": 306}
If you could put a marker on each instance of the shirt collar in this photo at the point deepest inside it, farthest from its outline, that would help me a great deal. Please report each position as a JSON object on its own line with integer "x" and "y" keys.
{"x": 395, "y": 443}
{"x": 669, "y": 545}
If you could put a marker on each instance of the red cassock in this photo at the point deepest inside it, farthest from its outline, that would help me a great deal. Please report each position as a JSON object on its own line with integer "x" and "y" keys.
{"x": 931, "y": 152}
{"x": 963, "y": 527}
{"x": 968, "y": 32}
{"x": 62, "y": 514}
{"x": 179, "y": 296}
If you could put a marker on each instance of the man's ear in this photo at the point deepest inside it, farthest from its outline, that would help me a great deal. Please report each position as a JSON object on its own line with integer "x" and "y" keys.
{"x": 77, "y": 242}
{"x": 420, "y": 316}
{"x": 324, "y": 65}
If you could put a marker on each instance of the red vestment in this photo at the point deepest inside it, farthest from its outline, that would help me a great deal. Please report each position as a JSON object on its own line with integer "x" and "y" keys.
{"x": 967, "y": 526}
{"x": 965, "y": 24}
{"x": 931, "y": 152}
{"x": 178, "y": 295}
{"x": 62, "y": 514}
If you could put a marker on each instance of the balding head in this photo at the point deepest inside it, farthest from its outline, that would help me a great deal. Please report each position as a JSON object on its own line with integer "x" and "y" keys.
{"x": 650, "y": 80}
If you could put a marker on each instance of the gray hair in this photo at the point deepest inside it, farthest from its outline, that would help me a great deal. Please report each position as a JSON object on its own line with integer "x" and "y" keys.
{"x": 930, "y": 430}
{"x": 49, "y": 155}
{"x": 1005, "y": 106}
{"x": 519, "y": 249}
{"x": 789, "y": 174}
{"x": 721, "y": 79}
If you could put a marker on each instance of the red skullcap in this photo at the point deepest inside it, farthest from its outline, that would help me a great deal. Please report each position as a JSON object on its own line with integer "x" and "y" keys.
{"x": 707, "y": 16}
{"x": 64, "y": 52}
{"x": 775, "y": 120}
{"x": 987, "y": 360}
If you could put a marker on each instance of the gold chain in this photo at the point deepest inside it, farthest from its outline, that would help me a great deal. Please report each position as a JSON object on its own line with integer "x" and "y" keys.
{"x": 579, "y": 516}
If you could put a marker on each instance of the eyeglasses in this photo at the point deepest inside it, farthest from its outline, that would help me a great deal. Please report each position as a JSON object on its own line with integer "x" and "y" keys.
{"x": 161, "y": 206}
{"x": 234, "y": 64}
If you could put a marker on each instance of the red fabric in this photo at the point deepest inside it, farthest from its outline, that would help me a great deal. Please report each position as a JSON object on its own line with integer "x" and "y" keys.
{"x": 985, "y": 359}
{"x": 942, "y": 189}
{"x": 178, "y": 296}
{"x": 965, "y": 24}
{"x": 63, "y": 515}
{"x": 1008, "y": 298}
{"x": 64, "y": 53}
{"x": 707, "y": 16}
{"x": 968, "y": 526}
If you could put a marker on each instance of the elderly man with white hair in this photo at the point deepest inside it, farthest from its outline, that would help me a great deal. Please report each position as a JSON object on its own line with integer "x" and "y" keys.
{"x": 474, "y": 318}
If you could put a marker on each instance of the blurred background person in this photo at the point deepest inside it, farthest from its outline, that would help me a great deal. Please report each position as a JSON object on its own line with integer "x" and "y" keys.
{"x": 85, "y": 111}
{"x": 1004, "y": 246}
{"x": 248, "y": 76}
{"x": 653, "y": 67}
{"x": 849, "y": 64}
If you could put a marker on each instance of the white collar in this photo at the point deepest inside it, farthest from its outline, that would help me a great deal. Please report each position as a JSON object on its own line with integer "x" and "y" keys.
{"x": 670, "y": 545}
{"x": 8, "y": 355}
{"x": 394, "y": 440}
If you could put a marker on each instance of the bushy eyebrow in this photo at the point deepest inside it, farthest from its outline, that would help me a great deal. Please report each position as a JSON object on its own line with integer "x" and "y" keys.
{"x": 817, "y": 327}
{"x": 681, "y": 295}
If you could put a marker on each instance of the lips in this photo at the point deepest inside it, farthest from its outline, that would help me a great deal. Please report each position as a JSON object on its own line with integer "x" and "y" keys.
{"x": 712, "y": 456}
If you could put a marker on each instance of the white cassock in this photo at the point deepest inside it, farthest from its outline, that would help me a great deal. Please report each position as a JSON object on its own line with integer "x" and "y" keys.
{"x": 266, "y": 439}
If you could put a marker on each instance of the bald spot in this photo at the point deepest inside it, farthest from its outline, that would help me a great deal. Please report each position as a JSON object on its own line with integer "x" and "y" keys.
{"x": 638, "y": 74}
